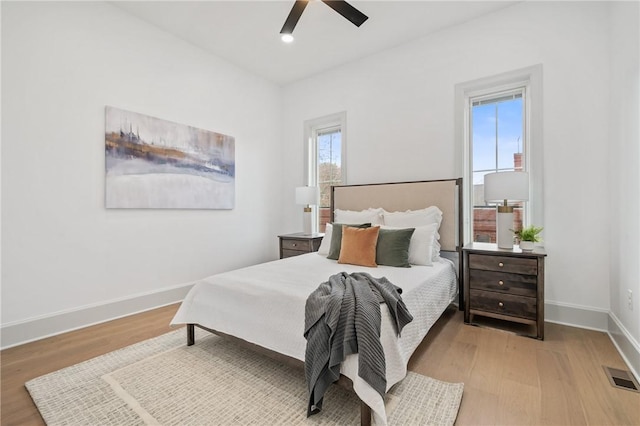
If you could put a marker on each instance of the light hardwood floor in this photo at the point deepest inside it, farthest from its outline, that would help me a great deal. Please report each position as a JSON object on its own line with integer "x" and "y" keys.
{"x": 508, "y": 379}
{"x": 23, "y": 363}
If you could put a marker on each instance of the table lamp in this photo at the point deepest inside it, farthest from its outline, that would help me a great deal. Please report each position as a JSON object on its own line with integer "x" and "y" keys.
{"x": 502, "y": 187}
{"x": 307, "y": 196}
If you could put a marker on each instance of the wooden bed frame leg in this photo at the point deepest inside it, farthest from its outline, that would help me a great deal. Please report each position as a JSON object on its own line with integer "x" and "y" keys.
{"x": 191, "y": 334}
{"x": 365, "y": 414}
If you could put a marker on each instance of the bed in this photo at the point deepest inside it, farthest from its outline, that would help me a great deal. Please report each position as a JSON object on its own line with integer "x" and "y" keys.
{"x": 264, "y": 304}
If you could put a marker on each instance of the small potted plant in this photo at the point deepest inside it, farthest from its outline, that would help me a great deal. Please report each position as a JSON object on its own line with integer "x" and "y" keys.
{"x": 528, "y": 236}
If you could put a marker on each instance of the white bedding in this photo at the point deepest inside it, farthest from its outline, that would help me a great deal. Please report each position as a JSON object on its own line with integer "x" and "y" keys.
{"x": 264, "y": 304}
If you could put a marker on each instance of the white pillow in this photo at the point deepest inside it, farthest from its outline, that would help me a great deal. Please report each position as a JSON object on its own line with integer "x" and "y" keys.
{"x": 421, "y": 246}
{"x": 373, "y": 216}
{"x": 436, "y": 248}
{"x": 412, "y": 218}
{"x": 325, "y": 244}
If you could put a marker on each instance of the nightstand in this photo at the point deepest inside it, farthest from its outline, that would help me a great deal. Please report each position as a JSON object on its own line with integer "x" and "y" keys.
{"x": 299, "y": 243}
{"x": 504, "y": 284}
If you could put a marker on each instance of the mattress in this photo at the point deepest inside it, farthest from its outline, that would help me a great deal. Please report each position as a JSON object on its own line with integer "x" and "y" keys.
{"x": 264, "y": 304}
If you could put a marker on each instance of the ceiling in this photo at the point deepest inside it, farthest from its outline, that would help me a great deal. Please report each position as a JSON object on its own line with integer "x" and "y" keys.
{"x": 246, "y": 33}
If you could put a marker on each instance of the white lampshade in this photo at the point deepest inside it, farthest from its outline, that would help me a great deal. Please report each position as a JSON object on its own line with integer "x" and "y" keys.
{"x": 307, "y": 195}
{"x": 502, "y": 186}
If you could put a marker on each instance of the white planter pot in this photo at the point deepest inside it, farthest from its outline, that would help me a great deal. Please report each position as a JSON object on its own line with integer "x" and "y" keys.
{"x": 526, "y": 245}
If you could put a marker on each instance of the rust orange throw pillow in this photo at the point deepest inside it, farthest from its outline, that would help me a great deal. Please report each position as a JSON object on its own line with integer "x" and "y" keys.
{"x": 359, "y": 246}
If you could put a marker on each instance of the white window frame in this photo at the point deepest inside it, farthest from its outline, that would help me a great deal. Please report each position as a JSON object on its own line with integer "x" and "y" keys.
{"x": 531, "y": 79}
{"x": 311, "y": 129}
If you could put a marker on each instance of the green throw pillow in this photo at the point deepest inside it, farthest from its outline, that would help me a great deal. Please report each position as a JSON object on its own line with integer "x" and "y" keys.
{"x": 336, "y": 238}
{"x": 393, "y": 247}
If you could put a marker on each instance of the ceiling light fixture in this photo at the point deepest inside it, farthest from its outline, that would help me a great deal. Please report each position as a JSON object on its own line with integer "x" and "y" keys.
{"x": 352, "y": 14}
{"x": 287, "y": 38}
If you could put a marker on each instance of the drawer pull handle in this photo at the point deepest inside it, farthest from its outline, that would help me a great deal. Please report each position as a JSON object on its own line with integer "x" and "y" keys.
{"x": 501, "y": 282}
{"x": 295, "y": 245}
{"x": 501, "y": 264}
{"x": 501, "y": 304}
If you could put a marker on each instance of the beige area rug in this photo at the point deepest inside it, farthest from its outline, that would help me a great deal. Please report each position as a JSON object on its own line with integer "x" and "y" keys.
{"x": 215, "y": 382}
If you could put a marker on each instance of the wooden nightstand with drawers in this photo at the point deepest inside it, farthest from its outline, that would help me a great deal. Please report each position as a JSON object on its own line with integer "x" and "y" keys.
{"x": 505, "y": 285}
{"x": 300, "y": 243}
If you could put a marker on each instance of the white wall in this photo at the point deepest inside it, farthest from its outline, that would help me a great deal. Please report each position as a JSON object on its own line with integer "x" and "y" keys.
{"x": 63, "y": 62}
{"x": 62, "y": 250}
{"x": 624, "y": 184}
{"x": 400, "y": 123}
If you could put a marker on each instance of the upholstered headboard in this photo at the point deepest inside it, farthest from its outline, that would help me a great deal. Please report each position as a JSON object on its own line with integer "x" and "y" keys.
{"x": 401, "y": 196}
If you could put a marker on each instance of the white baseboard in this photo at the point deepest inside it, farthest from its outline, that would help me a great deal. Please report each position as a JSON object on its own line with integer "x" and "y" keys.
{"x": 19, "y": 332}
{"x": 576, "y": 316}
{"x": 628, "y": 347}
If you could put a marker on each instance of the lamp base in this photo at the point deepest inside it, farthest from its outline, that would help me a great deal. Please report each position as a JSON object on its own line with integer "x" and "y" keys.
{"x": 504, "y": 234}
{"x": 306, "y": 221}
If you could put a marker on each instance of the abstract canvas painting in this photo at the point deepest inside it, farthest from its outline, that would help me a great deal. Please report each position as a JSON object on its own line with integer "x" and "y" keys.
{"x": 158, "y": 164}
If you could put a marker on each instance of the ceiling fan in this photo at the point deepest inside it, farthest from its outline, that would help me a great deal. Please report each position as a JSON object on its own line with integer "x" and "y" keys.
{"x": 352, "y": 14}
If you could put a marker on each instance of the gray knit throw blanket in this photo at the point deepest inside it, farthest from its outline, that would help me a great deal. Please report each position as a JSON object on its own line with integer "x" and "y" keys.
{"x": 342, "y": 317}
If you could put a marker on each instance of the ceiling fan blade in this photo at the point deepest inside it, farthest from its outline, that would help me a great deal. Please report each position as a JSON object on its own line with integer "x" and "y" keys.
{"x": 294, "y": 16}
{"x": 356, "y": 17}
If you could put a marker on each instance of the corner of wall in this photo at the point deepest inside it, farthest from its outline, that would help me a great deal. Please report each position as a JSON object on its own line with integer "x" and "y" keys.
{"x": 599, "y": 320}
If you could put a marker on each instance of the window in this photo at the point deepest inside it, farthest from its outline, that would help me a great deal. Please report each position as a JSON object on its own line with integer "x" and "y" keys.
{"x": 497, "y": 145}
{"x": 325, "y": 162}
{"x": 499, "y": 128}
